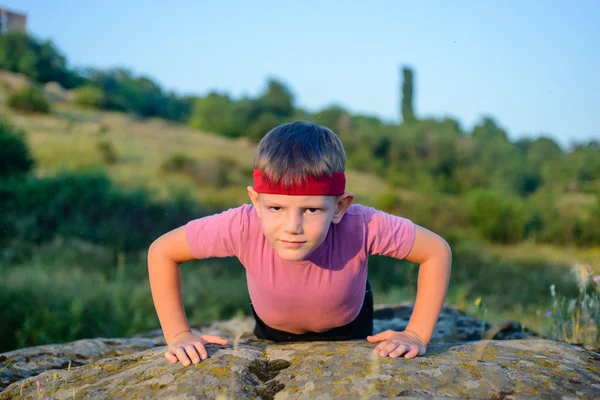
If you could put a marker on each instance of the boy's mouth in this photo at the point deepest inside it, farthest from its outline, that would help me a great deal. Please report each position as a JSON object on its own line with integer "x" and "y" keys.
{"x": 289, "y": 243}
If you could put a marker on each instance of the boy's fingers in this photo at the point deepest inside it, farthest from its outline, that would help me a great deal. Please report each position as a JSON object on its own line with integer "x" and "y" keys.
{"x": 170, "y": 357}
{"x": 390, "y": 347}
{"x": 183, "y": 358}
{"x": 397, "y": 352}
{"x": 201, "y": 350}
{"x": 192, "y": 353}
{"x": 380, "y": 336}
{"x": 412, "y": 353}
{"x": 380, "y": 347}
{"x": 215, "y": 339}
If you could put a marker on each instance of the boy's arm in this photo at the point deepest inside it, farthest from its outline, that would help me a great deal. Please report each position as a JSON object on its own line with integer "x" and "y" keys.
{"x": 164, "y": 256}
{"x": 435, "y": 257}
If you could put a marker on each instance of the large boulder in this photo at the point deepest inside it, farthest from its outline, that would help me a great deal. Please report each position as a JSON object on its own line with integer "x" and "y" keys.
{"x": 455, "y": 366}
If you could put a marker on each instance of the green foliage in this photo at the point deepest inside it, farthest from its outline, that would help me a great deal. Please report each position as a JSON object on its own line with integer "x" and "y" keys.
{"x": 85, "y": 206}
{"x": 178, "y": 162}
{"x": 387, "y": 201}
{"x": 246, "y": 117}
{"x": 115, "y": 89}
{"x": 277, "y": 99}
{"x": 139, "y": 95}
{"x": 407, "y": 112}
{"x": 15, "y": 159}
{"x": 263, "y": 124}
{"x": 44, "y": 302}
{"x": 498, "y": 217}
{"x": 59, "y": 296}
{"x": 575, "y": 319}
{"x": 218, "y": 113}
{"x": 107, "y": 151}
{"x": 39, "y": 60}
{"x": 90, "y": 96}
{"x": 217, "y": 173}
{"x": 29, "y": 99}
{"x": 335, "y": 118}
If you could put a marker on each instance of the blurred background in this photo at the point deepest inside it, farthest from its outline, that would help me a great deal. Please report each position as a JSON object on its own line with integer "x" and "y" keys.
{"x": 120, "y": 121}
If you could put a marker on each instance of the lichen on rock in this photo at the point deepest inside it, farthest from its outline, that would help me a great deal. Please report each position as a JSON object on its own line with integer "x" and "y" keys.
{"x": 455, "y": 366}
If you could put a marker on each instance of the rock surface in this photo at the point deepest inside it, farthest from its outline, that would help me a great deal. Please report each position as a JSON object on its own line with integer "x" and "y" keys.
{"x": 457, "y": 365}
{"x": 32, "y": 361}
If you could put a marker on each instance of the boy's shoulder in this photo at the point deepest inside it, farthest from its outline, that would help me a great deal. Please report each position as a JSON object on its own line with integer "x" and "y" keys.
{"x": 359, "y": 209}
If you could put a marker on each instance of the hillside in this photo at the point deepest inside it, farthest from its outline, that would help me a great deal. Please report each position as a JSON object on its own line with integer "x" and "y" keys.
{"x": 74, "y": 139}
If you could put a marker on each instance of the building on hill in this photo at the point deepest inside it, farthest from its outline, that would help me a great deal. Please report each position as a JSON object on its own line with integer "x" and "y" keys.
{"x": 12, "y": 21}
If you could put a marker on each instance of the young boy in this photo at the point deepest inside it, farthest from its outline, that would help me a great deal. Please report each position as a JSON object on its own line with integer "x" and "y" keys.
{"x": 304, "y": 246}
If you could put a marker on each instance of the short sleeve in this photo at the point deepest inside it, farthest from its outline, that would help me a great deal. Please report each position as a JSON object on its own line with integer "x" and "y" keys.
{"x": 387, "y": 234}
{"x": 218, "y": 235}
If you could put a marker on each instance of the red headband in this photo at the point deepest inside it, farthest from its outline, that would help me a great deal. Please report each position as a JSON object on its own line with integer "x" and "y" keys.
{"x": 323, "y": 186}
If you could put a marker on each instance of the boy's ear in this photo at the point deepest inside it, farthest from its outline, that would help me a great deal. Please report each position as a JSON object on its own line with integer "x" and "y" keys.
{"x": 343, "y": 202}
{"x": 254, "y": 199}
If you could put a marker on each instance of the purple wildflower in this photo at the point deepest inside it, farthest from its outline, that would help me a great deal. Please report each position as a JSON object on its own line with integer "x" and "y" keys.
{"x": 548, "y": 313}
{"x": 597, "y": 279}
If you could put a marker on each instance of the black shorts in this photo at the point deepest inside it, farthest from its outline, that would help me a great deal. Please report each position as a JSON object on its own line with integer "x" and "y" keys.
{"x": 359, "y": 328}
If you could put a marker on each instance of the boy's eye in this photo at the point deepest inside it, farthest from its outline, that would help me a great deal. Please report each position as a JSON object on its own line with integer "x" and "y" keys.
{"x": 275, "y": 208}
{"x": 312, "y": 210}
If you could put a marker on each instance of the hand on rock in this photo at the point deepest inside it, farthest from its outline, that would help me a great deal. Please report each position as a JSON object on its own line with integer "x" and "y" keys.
{"x": 394, "y": 344}
{"x": 189, "y": 348}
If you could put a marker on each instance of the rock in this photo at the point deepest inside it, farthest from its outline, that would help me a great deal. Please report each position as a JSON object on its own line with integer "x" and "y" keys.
{"x": 529, "y": 368}
{"x": 32, "y": 361}
{"x": 54, "y": 92}
{"x": 452, "y": 325}
{"x": 454, "y": 366}
{"x": 14, "y": 81}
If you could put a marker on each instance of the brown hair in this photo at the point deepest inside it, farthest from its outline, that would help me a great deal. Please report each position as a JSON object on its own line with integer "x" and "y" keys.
{"x": 297, "y": 150}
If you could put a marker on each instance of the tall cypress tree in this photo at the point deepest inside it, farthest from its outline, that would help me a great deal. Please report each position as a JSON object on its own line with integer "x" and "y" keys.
{"x": 408, "y": 114}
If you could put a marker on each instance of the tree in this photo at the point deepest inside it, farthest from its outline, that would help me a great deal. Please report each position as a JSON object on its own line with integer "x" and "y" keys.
{"x": 277, "y": 99}
{"x": 15, "y": 159}
{"x": 408, "y": 114}
{"x": 220, "y": 114}
{"x": 30, "y": 99}
{"x": 40, "y": 61}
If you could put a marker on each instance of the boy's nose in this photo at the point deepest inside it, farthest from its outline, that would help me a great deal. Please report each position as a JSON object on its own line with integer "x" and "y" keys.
{"x": 294, "y": 224}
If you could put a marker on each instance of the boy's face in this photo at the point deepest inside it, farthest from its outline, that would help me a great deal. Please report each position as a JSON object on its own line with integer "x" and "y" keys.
{"x": 296, "y": 225}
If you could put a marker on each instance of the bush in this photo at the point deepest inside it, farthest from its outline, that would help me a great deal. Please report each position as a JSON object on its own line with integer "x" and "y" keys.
{"x": 216, "y": 173}
{"x": 498, "y": 217}
{"x": 107, "y": 151}
{"x": 179, "y": 162}
{"x": 15, "y": 159}
{"x": 87, "y": 207}
{"x": 576, "y": 319}
{"x": 52, "y": 304}
{"x": 30, "y": 99}
{"x": 90, "y": 96}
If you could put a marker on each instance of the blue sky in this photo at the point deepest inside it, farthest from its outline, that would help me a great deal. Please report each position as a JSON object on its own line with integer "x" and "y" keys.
{"x": 532, "y": 65}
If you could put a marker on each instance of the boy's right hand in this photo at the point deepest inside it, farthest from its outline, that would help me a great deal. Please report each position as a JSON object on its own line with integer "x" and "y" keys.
{"x": 189, "y": 348}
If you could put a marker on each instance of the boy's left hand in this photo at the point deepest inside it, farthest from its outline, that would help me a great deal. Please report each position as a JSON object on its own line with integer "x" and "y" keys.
{"x": 395, "y": 344}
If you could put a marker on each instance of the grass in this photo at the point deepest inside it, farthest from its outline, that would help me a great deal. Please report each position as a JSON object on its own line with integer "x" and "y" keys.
{"x": 46, "y": 301}
{"x": 575, "y": 319}
{"x": 68, "y": 139}
{"x": 554, "y": 254}
{"x": 72, "y": 290}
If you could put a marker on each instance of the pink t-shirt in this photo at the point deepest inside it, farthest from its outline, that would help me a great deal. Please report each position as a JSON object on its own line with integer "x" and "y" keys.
{"x": 323, "y": 291}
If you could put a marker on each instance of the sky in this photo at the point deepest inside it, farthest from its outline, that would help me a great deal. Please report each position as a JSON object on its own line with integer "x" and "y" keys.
{"x": 532, "y": 65}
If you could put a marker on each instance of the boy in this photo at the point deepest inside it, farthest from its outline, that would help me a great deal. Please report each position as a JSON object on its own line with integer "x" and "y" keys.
{"x": 304, "y": 246}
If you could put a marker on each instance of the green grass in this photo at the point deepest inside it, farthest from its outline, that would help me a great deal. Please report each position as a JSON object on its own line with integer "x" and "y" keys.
{"x": 52, "y": 301}
{"x": 71, "y": 290}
